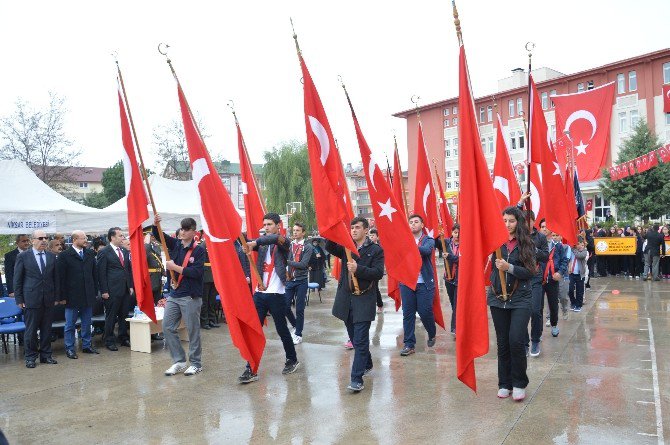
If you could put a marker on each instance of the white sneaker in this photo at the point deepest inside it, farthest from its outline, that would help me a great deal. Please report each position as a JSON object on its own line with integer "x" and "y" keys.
{"x": 177, "y": 367}
{"x": 503, "y": 393}
{"x": 548, "y": 323}
{"x": 297, "y": 339}
{"x": 193, "y": 370}
{"x": 518, "y": 394}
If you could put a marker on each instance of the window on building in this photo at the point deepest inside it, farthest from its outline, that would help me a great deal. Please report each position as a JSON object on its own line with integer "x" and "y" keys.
{"x": 446, "y": 111}
{"x": 226, "y": 183}
{"x": 446, "y": 122}
{"x": 512, "y": 141}
{"x": 601, "y": 207}
{"x": 634, "y": 118}
{"x": 83, "y": 185}
{"x": 448, "y": 173}
{"x": 552, "y": 133}
{"x": 447, "y": 153}
{"x": 483, "y": 141}
{"x": 580, "y": 87}
{"x": 522, "y": 140}
{"x": 552, "y": 93}
{"x": 623, "y": 123}
{"x": 519, "y": 105}
{"x": 454, "y": 110}
{"x": 456, "y": 173}
{"x": 489, "y": 113}
{"x": 362, "y": 210}
{"x": 510, "y": 105}
{"x": 632, "y": 81}
{"x": 667, "y": 118}
{"x": 545, "y": 100}
{"x": 666, "y": 72}
{"x": 491, "y": 145}
{"x": 522, "y": 175}
{"x": 482, "y": 116}
{"x": 363, "y": 198}
{"x": 448, "y": 185}
{"x": 446, "y": 143}
{"x": 360, "y": 182}
{"x": 455, "y": 147}
{"x": 620, "y": 83}
{"x": 240, "y": 201}
{"x": 590, "y": 85}
{"x": 454, "y": 121}
{"x": 455, "y": 152}
{"x": 456, "y": 184}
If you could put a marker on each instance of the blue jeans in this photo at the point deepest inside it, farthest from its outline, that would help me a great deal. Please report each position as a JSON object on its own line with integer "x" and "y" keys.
{"x": 299, "y": 289}
{"x": 275, "y": 303}
{"x": 71, "y": 319}
{"x": 359, "y": 333}
{"x": 420, "y": 301}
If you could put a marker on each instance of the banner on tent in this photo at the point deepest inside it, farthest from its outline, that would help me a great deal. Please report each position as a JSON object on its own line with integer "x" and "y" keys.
{"x": 14, "y": 223}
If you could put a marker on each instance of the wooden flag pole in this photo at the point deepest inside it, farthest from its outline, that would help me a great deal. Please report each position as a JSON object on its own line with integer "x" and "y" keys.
{"x": 501, "y": 274}
{"x": 161, "y": 235}
{"x": 396, "y": 157}
{"x": 441, "y": 223}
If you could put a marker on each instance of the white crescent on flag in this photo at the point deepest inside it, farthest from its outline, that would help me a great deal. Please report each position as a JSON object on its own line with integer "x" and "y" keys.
{"x": 668, "y": 94}
{"x": 426, "y": 194}
{"x": 322, "y": 135}
{"x": 200, "y": 170}
{"x": 501, "y": 184}
{"x": 582, "y": 114}
{"x": 371, "y": 172}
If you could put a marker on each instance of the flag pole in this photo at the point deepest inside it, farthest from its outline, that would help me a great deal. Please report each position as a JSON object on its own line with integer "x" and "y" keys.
{"x": 396, "y": 157}
{"x": 388, "y": 169}
{"x": 441, "y": 223}
{"x": 145, "y": 177}
{"x": 529, "y": 47}
{"x": 241, "y": 238}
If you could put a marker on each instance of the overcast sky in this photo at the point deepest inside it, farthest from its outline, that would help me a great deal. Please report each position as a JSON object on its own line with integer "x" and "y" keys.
{"x": 385, "y": 51}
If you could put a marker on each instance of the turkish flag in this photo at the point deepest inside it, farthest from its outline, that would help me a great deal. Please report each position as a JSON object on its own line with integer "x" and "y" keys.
{"x": 393, "y": 285}
{"x": 652, "y": 160}
{"x": 630, "y": 165}
{"x": 664, "y": 153}
{"x": 254, "y": 206}
{"x": 136, "y": 200}
{"x": 614, "y": 174}
{"x": 222, "y": 225}
{"x": 404, "y": 260}
{"x": 425, "y": 205}
{"x": 558, "y": 210}
{"x": 329, "y": 201}
{"x": 666, "y": 98}
{"x": 587, "y": 116}
{"x": 504, "y": 180}
{"x": 570, "y": 196}
{"x": 443, "y": 210}
{"x": 536, "y": 192}
{"x": 482, "y": 231}
{"x": 622, "y": 171}
{"x": 346, "y": 196}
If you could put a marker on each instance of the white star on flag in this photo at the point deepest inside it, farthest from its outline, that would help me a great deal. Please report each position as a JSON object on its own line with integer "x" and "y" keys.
{"x": 387, "y": 209}
{"x": 558, "y": 169}
{"x": 581, "y": 148}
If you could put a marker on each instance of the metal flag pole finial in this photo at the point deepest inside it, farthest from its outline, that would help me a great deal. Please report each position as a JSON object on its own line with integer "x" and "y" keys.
{"x": 457, "y": 23}
{"x": 530, "y": 46}
{"x": 415, "y": 100}
{"x": 163, "y": 49}
{"x": 231, "y": 105}
{"x": 295, "y": 37}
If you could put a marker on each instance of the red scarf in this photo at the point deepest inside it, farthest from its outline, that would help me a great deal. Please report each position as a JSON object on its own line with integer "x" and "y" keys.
{"x": 550, "y": 269}
{"x": 269, "y": 267}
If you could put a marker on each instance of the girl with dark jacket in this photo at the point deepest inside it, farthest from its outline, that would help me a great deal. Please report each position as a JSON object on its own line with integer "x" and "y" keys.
{"x": 511, "y": 314}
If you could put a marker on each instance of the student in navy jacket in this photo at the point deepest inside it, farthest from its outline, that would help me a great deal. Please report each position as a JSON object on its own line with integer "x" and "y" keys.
{"x": 554, "y": 271}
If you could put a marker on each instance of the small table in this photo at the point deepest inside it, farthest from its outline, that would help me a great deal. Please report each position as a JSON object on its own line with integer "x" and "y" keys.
{"x": 141, "y": 330}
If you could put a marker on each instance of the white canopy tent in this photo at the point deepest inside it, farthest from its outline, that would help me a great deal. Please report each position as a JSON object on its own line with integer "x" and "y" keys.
{"x": 27, "y": 203}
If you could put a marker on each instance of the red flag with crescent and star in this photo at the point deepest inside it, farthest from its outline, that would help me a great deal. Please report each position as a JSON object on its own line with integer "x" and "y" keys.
{"x": 587, "y": 117}
{"x": 222, "y": 225}
{"x": 504, "y": 180}
{"x": 393, "y": 286}
{"x": 666, "y": 98}
{"x": 401, "y": 257}
{"x": 136, "y": 200}
{"x": 332, "y": 217}
{"x": 425, "y": 205}
{"x": 557, "y": 210}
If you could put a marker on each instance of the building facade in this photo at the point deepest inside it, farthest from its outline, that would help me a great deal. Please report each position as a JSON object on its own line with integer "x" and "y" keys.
{"x": 638, "y": 95}
{"x": 358, "y": 190}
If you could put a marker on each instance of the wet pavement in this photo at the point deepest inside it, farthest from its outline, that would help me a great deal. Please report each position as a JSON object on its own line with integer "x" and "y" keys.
{"x": 600, "y": 381}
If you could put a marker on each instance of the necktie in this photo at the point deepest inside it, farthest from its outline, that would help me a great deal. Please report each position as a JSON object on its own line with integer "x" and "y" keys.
{"x": 81, "y": 254}
{"x": 120, "y": 255}
{"x": 42, "y": 264}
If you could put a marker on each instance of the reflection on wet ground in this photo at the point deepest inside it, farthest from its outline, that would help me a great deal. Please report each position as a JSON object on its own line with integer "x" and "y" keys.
{"x": 600, "y": 381}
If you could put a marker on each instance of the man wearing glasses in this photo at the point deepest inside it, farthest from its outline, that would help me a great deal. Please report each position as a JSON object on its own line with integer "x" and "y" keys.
{"x": 185, "y": 299}
{"x": 35, "y": 292}
{"x": 115, "y": 282}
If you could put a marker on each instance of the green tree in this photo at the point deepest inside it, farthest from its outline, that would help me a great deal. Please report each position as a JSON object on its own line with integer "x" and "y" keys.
{"x": 645, "y": 194}
{"x": 113, "y": 183}
{"x": 287, "y": 178}
{"x": 96, "y": 200}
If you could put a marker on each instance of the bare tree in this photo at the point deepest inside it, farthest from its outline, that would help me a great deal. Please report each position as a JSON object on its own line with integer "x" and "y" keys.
{"x": 37, "y": 137}
{"x": 170, "y": 147}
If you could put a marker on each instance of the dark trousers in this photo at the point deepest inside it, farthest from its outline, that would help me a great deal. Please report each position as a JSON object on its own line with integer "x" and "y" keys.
{"x": 421, "y": 301}
{"x": 380, "y": 303}
{"x": 37, "y": 319}
{"x": 452, "y": 290}
{"x": 576, "y": 283}
{"x": 511, "y": 327}
{"x": 359, "y": 333}
{"x": 158, "y": 294}
{"x": 208, "y": 309}
{"x": 116, "y": 311}
{"x": 297, "y": 289}
{"x": 590, "y": 263}
{"x": 551, "y": 290}
{"x": 601, "y": 263}
{"x": 275, "y": 303}
{"x": 537, "y": 307}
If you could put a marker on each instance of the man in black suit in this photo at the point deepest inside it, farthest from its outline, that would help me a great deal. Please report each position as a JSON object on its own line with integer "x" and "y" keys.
{"x": 77, "y": 275}
{"x": 115, "y": 281}
{"x": 22, "y": 243}
{"x": 357, "y": 310}
{"x": 655, "y": 248}
{"x": 35, "y": 292}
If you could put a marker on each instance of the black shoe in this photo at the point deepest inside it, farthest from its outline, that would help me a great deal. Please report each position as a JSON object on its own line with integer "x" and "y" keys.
{"x": 49, "y": 361}
{"x": 407, "y": 351}
{"x": 159, "y": 336}
{"x": 431, "y": 342}
{"x": 205, "y": 327}
{"x": 71, "y": 354}
{"x": 290, "y": 366}
{"x": 126, "y": 343}
{"x": 30, "y": 363}
{"x": 90, "y": 350}
{"x": 214, "y": 325}
{"x": 112, "y": 347}
{"x": 247, "y": 376}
